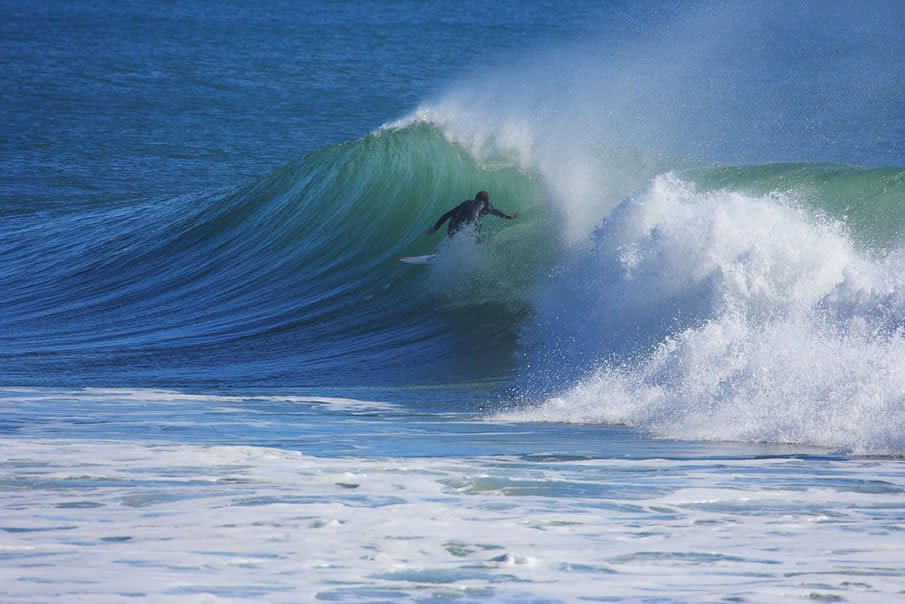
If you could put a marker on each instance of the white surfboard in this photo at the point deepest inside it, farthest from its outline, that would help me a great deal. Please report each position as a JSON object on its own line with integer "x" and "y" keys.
{"x": 429, "y": 259}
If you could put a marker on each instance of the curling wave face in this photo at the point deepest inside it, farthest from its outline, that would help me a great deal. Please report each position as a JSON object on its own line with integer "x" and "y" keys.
{"x": 752, "y": 303}
{"x": 292, "y": 278}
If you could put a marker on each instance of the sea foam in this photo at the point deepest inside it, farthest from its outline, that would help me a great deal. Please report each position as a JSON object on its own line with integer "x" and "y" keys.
{"x": 723, "y": 315}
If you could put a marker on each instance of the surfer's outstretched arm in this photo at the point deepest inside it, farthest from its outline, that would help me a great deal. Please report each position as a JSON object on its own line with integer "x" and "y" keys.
{"x": 496, "y": 212}
{"x": 440, "y": 222}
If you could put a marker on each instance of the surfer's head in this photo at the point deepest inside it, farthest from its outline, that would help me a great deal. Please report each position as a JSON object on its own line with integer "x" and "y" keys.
{"x": 483, "y": 196}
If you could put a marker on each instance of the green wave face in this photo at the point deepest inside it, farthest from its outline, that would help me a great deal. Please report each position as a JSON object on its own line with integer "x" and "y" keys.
{"x": 302, "y": 263}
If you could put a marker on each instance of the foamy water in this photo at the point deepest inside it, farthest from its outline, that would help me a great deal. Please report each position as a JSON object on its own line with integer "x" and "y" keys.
{"x": 726, "y": 316}
{"x": 111, "y": 521}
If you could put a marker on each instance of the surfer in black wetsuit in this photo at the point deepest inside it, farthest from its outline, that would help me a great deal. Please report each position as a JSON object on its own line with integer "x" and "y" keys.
{"x": 469, "y": 212}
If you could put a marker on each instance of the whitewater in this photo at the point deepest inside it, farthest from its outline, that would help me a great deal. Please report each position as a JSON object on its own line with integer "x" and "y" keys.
{"x": 678, "y": 376}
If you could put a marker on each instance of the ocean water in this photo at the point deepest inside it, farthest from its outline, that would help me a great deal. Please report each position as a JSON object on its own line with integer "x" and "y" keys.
{"x": 678, "y": 376}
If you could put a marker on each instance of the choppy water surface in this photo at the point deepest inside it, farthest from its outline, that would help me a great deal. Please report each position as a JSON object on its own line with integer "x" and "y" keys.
{"x": 368, "y": 502}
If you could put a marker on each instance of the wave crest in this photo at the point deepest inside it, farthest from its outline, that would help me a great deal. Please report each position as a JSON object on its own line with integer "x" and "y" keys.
{"x": 723, "y": 315}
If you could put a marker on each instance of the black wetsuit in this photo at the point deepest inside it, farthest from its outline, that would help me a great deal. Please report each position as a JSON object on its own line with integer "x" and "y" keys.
{"x": 466, "y": 213}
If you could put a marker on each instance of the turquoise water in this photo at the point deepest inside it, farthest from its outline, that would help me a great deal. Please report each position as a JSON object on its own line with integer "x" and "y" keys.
{"x": 678, "y": 376}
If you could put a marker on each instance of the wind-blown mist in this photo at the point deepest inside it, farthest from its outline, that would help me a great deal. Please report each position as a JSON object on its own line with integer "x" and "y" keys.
{"x": 759, "y": 83}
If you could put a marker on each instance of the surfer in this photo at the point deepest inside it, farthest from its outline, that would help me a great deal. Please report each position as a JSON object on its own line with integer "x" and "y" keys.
{"x": 469, "y": 212}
